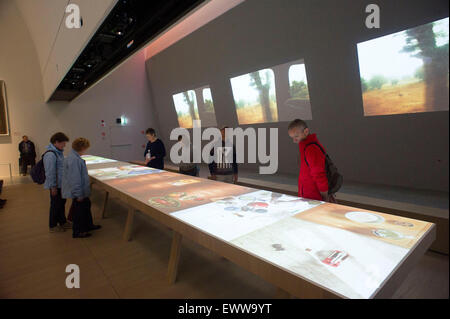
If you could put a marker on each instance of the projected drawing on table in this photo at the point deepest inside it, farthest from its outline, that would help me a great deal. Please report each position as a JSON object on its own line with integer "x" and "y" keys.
{"x": 89, "y": 159}
{"x": 233, "y": 216}
{"x": 395, "y": 230}
{"x": 276, "y": 94}
{"x": 353, "y": 265}
{"x": 170, "y": 192}
{"x": 195, "y": 105}
{"x": 406, "y": 72}
{"x": 122, "y": 172}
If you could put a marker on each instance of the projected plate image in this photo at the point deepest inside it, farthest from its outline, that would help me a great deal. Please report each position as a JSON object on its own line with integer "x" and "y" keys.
{"x": 364, "y": 217}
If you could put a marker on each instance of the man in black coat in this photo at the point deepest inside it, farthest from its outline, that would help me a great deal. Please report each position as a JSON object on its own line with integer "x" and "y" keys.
{"x": 27, "y": 154}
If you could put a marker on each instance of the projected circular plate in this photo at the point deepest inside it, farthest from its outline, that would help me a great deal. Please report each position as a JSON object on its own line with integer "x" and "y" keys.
{"x": 177, "y": 194}
{"x": 223, "y": 200}
{"x": 388, "y": 234}
{"x": 260, "y": 211}
{"x": 364, "y": 217}
{"x": 164, "y": 202}
{"x": 231, "y": 208}
{"x": 189, "y": 197}
{"x": 247, "y": 198}
{"x": 400, "y": 223}
{"x": 313, "y": 202}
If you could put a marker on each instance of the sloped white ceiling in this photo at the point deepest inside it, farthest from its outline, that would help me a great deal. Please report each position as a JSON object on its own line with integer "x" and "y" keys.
{"x": 43, "y": 19}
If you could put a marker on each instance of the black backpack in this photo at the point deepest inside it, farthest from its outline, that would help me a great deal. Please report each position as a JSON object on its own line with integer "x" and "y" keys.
{"x": 38, "y": 171}
{"x": 335, "y": 180}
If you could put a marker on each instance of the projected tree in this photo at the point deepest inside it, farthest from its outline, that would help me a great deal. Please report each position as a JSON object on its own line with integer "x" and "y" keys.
{"x": 264, "y": 95}
{"x": 191, "y": 103}
{"x": 421, "y": 43}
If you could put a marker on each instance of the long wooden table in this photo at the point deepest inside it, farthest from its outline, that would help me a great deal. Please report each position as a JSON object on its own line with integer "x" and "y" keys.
{"x": 309, "y": 249}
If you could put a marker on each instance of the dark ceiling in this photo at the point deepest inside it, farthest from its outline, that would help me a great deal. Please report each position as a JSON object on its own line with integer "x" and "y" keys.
{"x": 130, "y": 24}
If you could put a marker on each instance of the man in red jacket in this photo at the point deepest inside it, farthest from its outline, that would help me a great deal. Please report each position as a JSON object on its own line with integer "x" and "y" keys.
{"x": 312, "y": 180}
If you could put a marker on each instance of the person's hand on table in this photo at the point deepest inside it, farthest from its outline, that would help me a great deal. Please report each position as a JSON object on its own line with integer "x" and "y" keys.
{"x": 213, "y": 177}
{"x": 147, "y": 160}
{"x": 327, "y": 197}
{"x": 152, "y": 158}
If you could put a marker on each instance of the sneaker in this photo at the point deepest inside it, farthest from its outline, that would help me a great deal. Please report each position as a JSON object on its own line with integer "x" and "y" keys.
{"x": 82, "y": 235}
{"x": 57, "y": 229}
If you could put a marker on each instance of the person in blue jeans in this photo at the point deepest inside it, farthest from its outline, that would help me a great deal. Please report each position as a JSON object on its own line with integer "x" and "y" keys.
{"x": 53, "y": 164}
{"x": 76, "y": 185}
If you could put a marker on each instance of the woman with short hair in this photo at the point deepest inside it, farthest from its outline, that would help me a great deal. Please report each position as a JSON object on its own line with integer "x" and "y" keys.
{"x": 76, "y": 185}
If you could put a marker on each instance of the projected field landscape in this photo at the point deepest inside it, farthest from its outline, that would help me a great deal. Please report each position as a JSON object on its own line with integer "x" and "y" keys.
{"x": 406, "y": 72}
{"x": 276, "y": 94}
{"x": 195, "y": 105}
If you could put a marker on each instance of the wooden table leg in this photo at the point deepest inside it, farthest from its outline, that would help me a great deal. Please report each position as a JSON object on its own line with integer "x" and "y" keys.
{"x": 174, "y": 257}
{"x": 105, "y": 202}
{"x": 129, "y": 225}
{"x": 282, "y": 294}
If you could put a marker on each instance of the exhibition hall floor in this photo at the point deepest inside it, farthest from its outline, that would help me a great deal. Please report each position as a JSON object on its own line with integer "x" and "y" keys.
{"x": 33, "y": 261}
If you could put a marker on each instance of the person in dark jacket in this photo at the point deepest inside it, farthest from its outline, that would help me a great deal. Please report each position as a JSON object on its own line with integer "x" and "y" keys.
{"x": 312, "y": 179}
{"x": 155, "y": 150}
{"x": 27, "y": 155}
{"x": 221, "y": 169}
{"x": 2, "y": 201}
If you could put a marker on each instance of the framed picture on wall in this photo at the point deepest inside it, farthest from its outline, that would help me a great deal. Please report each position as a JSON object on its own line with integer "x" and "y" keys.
{"x": 4, "y": 121}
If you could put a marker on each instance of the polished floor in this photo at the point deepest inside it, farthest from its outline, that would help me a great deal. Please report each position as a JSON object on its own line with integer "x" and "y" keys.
{"x": 33, "y": 261}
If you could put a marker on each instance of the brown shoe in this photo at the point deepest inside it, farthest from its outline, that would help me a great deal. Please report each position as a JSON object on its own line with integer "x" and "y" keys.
{"x": 57, "y": 229}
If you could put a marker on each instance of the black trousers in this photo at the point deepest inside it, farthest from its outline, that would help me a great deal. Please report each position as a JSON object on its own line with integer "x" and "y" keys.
{"x": 57, "y": 209}
{"x": 191, "y": 172}
{"x": 81, "y": 216}
{"x": 24, "y": 162}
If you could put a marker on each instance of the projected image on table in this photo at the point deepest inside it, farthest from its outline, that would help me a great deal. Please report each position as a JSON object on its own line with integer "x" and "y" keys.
{"x": 233, "y": 216}
{"x": 391, "y": 229}
{"x": 195, "y": 105}
{"x": 406, "y": 72}
{"x": 350, "y": 264}
{"x": 276, "y": 94}
{"x": 90, "y": 159}
{"x": 170, "y": 192}
{"x": 122, "y": 172}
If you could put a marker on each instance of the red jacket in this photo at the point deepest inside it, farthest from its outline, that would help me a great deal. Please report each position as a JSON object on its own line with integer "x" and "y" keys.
{"x": 313, "y": 178}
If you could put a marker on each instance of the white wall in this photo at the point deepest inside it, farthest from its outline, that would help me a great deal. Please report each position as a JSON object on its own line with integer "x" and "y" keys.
{"x": 124, "y": 92}
{"x": 409, "y": 150}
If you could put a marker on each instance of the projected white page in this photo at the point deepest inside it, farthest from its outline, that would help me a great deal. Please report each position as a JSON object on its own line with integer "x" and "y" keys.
{"x": 90, "y": 159}
{"x": 406, "y": 72}
{"x": 233, "y": 216}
